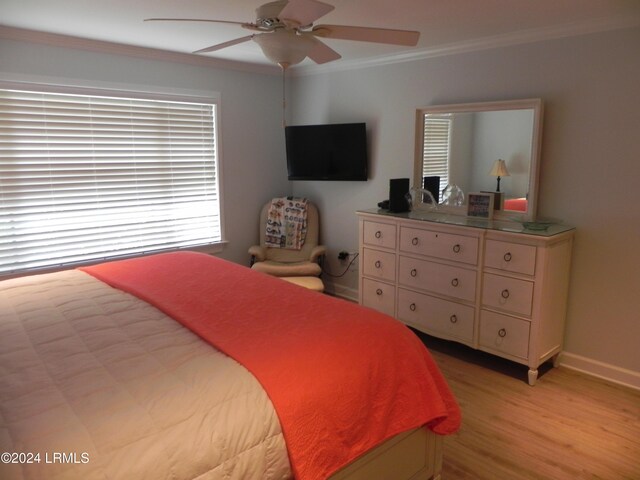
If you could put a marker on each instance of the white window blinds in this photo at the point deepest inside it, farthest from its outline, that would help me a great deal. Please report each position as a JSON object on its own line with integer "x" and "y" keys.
{"x": 84, "y": 178}
{"x": 435, "y": 151}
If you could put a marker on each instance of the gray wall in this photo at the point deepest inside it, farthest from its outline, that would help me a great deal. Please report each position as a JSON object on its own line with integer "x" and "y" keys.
{"x": 590, "y": 168}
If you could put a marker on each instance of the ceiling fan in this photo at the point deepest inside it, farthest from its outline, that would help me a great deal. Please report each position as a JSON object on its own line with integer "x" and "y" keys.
{"x": 286, "y": 34}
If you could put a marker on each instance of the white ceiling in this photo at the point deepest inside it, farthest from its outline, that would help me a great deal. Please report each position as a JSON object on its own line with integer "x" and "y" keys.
{"x": 442, "y": 23}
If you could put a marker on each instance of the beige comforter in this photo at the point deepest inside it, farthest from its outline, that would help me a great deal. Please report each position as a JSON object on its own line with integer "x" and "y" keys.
{"x": 100, "y": 385}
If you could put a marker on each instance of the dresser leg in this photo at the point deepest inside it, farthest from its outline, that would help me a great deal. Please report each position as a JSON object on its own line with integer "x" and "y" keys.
{"x": 556, "y": 360}
{"x": 533, "y": 376}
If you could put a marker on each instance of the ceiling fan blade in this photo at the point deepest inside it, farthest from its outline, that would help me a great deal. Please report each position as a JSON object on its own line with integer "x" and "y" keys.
{"x": 191, "y": 20}
{"x": 322, "y": 53}
{"x": 299, "y": 13}
{"x": 367, "y": 34}
{"x": 220, "y": 46}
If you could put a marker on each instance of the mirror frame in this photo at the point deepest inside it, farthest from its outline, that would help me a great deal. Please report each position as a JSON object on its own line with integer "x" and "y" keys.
{"x": 536, "y": 143}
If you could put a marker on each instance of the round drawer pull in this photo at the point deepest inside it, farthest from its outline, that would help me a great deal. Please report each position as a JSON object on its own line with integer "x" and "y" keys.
{"x": 378, "y": 234}
{"x": 505, "y": 293}
{"x": 456, "y": 248}
{"x": 453, "y": 319}
{"x": 414, "y": 272}
{"x": 412, "y": 307}
{"x": 502, "y": 332}
{"x": 414, "y": 241}
{"x": 379, "y": 292}
{"x": 507, "y": 257}
{"x": 455, "y": 282}
{"x": 378, "y": 264}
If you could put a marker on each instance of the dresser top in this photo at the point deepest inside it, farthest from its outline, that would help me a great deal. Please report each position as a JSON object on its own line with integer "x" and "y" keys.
{"x": 461, "y": 220}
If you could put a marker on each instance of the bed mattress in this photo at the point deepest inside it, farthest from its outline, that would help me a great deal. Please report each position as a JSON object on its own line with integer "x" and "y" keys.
{"x": 123, "y": 391}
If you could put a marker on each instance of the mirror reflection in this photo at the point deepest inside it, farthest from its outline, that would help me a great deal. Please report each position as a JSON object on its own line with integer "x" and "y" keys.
{"x": 487, "y": 147}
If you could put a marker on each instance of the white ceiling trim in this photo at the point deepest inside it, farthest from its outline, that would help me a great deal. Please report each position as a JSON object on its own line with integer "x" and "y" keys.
{"x": 486, "y": 43}
{"x": 99, "y": 46}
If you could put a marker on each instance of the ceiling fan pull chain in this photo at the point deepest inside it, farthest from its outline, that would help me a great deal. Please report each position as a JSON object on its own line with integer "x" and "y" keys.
{"x": 284, "y": 66}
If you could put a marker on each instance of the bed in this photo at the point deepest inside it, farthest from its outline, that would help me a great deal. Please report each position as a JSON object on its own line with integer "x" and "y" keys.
{"x": 185, "y": 366}
{"x": 517, "y": 204}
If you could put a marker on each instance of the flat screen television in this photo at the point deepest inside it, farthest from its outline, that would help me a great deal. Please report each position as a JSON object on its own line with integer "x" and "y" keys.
{"x": 327, "y": 152}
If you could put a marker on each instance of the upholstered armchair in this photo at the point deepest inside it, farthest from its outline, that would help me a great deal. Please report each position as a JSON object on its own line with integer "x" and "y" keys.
{"x": 284, "y": 262}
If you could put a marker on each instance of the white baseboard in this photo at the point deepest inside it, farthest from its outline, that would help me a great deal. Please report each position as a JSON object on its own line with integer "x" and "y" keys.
{"x": 341, "y": 291}
{"x": 605, "y": 371}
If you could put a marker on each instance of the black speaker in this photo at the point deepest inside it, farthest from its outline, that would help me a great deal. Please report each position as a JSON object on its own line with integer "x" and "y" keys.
{"x": 433, "y": 185}
{"x": 398, "y": 189}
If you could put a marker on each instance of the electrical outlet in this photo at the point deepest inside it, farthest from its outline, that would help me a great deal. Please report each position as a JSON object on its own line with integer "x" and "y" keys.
{"x": 343, "y": 255}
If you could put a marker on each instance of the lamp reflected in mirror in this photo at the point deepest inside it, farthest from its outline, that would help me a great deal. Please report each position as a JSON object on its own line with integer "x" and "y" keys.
{"x": 499, "y": 169}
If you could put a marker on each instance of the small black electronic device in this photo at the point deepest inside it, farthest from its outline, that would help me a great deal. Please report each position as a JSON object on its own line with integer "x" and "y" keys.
{"x": 398, "y": 189}
{"x": 433, "y": 185}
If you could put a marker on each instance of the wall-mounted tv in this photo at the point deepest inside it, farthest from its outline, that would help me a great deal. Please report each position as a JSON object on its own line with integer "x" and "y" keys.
{"x": 327, "y": 152}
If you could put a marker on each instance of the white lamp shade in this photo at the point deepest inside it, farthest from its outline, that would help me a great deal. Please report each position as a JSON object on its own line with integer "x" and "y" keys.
{"x": 499, "y": 169}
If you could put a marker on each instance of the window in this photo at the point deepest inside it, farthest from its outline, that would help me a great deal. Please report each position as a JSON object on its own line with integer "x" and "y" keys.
{"x": 435, "y": 159}
{"x": 85, "y": 178}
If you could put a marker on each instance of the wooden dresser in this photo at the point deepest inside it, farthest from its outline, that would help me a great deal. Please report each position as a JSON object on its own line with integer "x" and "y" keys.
{"x": 491, "y": 285}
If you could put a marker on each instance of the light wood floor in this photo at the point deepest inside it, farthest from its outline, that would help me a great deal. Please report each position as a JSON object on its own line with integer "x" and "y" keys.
{"x": 568, "y": 426}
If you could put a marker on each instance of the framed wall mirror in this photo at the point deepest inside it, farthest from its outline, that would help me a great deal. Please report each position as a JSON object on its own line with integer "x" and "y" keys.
{"x": 483, "y": 147}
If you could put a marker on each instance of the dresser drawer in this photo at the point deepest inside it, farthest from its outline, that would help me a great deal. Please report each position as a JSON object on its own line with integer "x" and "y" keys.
{"x": 455, "y": 282}
{"x": 379, "y": 264}
{"x": 459, "y": 248}
{"x": 504, "y": 334}
{"x": 507, "y": 293}
{"x": 511, "y": 257}
{"x": 379, "y": 296}
{"x": 437, "y": 316}
{"x": 379, "y": 234}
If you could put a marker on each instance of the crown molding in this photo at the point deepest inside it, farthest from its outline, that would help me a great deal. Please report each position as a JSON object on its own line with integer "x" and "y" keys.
{"x": 485, "y": 43}
{"x": 99, "y": 46}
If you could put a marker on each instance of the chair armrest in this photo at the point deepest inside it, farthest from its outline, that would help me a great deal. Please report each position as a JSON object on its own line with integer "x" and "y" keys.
{"x": 257, "y": 253}
{"x": 317, "y": 252}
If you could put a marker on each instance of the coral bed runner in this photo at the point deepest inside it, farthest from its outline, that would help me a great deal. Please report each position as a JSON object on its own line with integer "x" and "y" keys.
{"x": 342, "y": 378}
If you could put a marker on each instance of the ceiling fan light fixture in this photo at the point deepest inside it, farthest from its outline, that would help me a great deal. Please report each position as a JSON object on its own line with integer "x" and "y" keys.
{"x": 284, "y": 46}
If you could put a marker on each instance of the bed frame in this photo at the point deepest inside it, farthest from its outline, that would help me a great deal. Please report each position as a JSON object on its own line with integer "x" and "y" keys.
{"x": 413, "y": 455}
